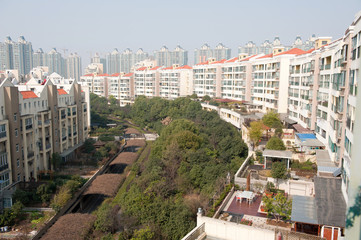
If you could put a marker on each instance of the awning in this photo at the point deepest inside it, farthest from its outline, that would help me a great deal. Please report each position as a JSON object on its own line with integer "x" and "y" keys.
{"x": 277, "y": 153}
{"x": 304, "y": 210}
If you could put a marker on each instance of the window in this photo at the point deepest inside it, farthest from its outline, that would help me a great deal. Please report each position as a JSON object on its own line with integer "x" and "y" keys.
{"x": 2, "y": 110}
{"x": 15, "y": 117}
{"x": 16, "y": 132}
{"x": 17, "y": 147}
{"x": 18, "y": 177}
{"x": 18, "y": 162}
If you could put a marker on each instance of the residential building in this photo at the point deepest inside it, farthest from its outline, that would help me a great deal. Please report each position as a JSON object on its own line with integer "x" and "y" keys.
{"x": 95, "y": 64}
{"x": 113, "y": 62}
{"x": 33, "y": 116}
{"x": 163, "y": 57}
{"x": 126, "y": 60}
{"x": 55, "y": 62}
{"x": 97, "y": 83}
{"x": 205, "y": 52}
{"x": 16, "y": 55}
{"x": 146, "y": 82}
{"x": 39, "y": 58}
{"x": 207, "y": 77}
{"x": 179, "y": 56}
{"x": 73, "y": 66}
{"x": 175, "y": 81}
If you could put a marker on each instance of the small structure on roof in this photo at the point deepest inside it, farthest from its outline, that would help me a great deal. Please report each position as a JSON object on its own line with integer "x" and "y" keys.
{"x": 325, "y": 167}
{"x": 308, "y": 143}
{"x": 325, "y": 214}
{"x": 271, "y": 156}
{"x": 298, "y": 128}
{"x": 106, "y": 184}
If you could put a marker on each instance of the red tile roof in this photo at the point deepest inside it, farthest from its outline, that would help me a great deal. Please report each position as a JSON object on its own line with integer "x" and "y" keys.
{"x": 28, "y": 94}
{"x": 294, "y": 51}
{"x": 185, "y": 67}
{"x": 88, "y": 75}
{"x": 102, "y": 75}
{"x": 232, "y": 60}
{"x": 141, "y": 69}
{"x": 128, "y": 75}
{"x": 61, "y": 92}
{"x": 115, "y": 75}
{"x": 266, "y": 56}
{"x": 155, "y": 68}
{"x": 168, "y": 68}
{"x": 248, "y": 58}
{"x": 220, "y": 61}
{"x": 309, "y": 51}
{"x": 202, "y": 63}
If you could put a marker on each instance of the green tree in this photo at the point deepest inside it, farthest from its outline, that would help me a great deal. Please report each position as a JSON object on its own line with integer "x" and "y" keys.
{"x": 45, "y": 192}
{"x": 275, "y": 143}
{"x": 55, "y": 160}
{"x": 10, "y": 216}
{"x": 278, "y": 171}
{"x": 88, "y": 145}
{"x": 279, "y": 207}
{"x": 206, "y": 98}
{"x": 143, "y": 234}
{"x": 61, "y": 199}
{"x": 272, "y": 120}
{"x": 106, "y": 217}
{"x": 193, "y": 96}
{"x": 255, "y": 132}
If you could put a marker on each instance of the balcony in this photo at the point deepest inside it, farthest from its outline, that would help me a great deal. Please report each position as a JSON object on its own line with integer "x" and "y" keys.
{"x": 2, "y": 134}
{"x": 48, "y": 146}
{"x": 64, "y": 138}
{"x": 85, "y": 110}
{"x": 28, "y": 127}
{"x": 4, "y": 158}
{"x": 74, "y": 113}
{"x": 63, "y": 116}
{"x": 30, "y": 154}
{"x": 74, "y": 133}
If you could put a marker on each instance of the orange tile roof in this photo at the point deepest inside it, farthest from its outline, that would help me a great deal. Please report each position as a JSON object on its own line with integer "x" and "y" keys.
{"x": 232, "y": 60}
{"x": 88, "y": 75}
{"x": 309, "y": 51}
{"x": 141, "y": 69}
{"x": 220, "y": 61}
{"x": 203, "y": 63}
{"x": 168, "y": 68}
{"x": 185, "y": 67}
{"x": 102, "y": 75}
{"x": 28, "y": 94}
{"x": 128, "y": 75}
{"x": 62, "y": 91}
{"x": 294, "y": 51}
{"x": 266, "y": 56}
{"x": 155, "y": 68}
{"x": 248, "y": 58}
{"x": 115, "y": 75}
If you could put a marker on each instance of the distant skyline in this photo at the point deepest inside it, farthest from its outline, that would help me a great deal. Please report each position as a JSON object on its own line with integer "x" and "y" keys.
{"x": 93, "y": 26}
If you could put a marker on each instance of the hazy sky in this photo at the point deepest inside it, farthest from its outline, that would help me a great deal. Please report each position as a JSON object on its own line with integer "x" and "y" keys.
{"x": 89, "y": 26}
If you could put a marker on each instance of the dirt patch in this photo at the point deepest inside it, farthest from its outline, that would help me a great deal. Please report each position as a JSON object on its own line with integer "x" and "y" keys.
{"x": 135, "y": 142}
{"x": 106, "y": 184}
{"x": 125, "y": 157}
{"x": 132, "y": 131}
{"x": 279, "y": 224}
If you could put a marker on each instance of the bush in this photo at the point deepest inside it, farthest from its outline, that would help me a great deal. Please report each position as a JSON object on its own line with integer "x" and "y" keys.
{"x": 10, "y": 216}
{"x": 22, "y": 196}
{"x": 106, "y": 217}
{"x": 275, "y": 143}
{"x": 60, "y": 199}
{"x": 106, "y": 138}
{"x": 259, "y": 157}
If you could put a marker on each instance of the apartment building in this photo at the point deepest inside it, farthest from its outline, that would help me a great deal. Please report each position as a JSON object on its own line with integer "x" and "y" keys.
{"x": 175, "y": 81}
{"x": 207, "y": 77}
{"x": 236, "y": 78}
{"x": 36, "y": 120}
{"x": 270, "y": 83}
{"x": 146, "y": 81}
{"x": 97, "y": 83}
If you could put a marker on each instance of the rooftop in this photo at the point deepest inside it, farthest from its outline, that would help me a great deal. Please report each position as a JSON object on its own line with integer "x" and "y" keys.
{"x": 277, "y": 153}
{"x": 28, "y": 94}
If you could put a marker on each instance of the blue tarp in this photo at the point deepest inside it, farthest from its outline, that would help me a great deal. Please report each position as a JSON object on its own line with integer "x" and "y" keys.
{"x": 304, "y": 136}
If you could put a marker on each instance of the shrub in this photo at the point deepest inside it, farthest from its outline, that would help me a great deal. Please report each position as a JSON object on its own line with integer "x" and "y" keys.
{"x": 61, "y": 199}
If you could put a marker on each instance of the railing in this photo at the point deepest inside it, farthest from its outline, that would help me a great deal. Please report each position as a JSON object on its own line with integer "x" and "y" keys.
{"x": 48, "y": 146}
{"x": 2, "y": 134}
{"x": 195, "y": 233}
{"x": 46, "y": 122}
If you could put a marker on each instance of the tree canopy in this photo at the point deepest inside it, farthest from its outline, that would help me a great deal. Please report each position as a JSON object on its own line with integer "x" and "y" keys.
{"x": 255, "y": 132}
{"x": 275, "y": 143}
{"x": 272, "y": 120}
